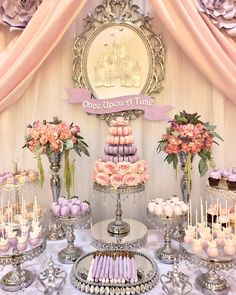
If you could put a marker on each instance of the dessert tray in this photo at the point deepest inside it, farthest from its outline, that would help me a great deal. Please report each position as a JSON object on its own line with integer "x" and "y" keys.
{"x": 19, "y": 278}
{"x": 167, "y": 253}
{"x": 148, "y": 276}
{"x": 210, "y": 282}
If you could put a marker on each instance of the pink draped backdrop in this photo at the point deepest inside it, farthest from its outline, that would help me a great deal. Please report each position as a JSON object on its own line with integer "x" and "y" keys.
{"x": 212, "y": 52}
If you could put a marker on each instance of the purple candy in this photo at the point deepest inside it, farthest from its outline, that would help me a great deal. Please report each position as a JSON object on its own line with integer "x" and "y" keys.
{"x": 126, "y": 159}
{"x": 99, "y": 268}
{"x": 111, "y": 274}
{"x": 106, "y": 275}
{"x": 121, "y": 158}
{"x": 116, "y": 275}
{"x": 95, "y": 265}
{"x": 121, "y": 270}
{"x": 84, "y": 206}
{"x": 128, "y": 269}
{"x": 102, "y": 274}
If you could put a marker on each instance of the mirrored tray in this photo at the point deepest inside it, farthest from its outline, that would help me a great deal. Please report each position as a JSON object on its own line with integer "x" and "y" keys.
{"x": 148, "y": 276}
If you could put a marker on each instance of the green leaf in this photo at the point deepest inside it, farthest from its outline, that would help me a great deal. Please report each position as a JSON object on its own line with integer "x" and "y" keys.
{"x": 202, "y": 155}
{"x": 202, "y": 167}
{"x": 161, "y": 146}
{"x": 77, "y": 150}
{"x": 68, "y": 144}
{"x": 175, "y": 161}
{"x": 217, "y": 136}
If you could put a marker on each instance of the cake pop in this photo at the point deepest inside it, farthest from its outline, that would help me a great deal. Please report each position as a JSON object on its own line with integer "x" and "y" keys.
{"x": 229, "y": 247}
{"x": 212, "y": 249}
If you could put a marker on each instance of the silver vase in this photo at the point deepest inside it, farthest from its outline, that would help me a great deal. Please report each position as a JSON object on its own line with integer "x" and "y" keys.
{"x": 55, "y": 229}
{"x": 184, "y": 181}
{"x": 55, "y": 181}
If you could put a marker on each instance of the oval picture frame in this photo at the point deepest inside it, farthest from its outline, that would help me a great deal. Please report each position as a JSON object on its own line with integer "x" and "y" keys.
{"x": 106, "y": 60}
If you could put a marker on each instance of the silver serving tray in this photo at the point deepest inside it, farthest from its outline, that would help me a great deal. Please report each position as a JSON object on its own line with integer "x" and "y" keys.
{"x": 148, "y": 276}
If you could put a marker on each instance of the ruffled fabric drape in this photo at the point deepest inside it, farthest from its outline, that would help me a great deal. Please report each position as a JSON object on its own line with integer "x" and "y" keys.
{"x": 40, "y": 37}
{"x": 207, "y": 47}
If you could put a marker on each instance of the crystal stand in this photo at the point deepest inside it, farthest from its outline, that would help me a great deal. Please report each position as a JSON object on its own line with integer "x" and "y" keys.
{"x": 135, "y": 239}
{"x": 19, "y": 278}
{"x": 119, "y": 226}
{"x": 211, "y": 282}
{"x": 71, "y": 253}
{"x": 167, "y": 253}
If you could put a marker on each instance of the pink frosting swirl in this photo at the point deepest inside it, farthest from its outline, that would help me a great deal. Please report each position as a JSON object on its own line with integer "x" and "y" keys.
{"x": 232, "y": 177}
{"x": 215, "y": 175}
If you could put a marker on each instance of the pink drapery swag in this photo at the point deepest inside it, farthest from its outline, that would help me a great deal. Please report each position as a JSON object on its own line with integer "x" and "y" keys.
{"x": 212, "y": 52}
{"x": 39, "y": 38}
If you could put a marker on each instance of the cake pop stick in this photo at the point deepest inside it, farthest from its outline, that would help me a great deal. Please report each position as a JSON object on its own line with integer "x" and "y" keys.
{"x": 212, "y": 227}
{"x": 206, "y": 213}
{"x": 217, "y": 211}
{"x": 196, "y": 223}
{"x": 190, "y": 212}
{"x": 201, "y": 217}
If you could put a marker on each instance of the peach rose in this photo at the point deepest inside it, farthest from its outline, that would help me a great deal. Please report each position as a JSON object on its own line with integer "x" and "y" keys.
{"x": 102, "y": 178}
{"x": 132, "y": 179}
{"x": 116, "y": 180}
{"x": 110, "y": 167}
{"x": 123, "y": 167}
{"x": 139, "y": 167}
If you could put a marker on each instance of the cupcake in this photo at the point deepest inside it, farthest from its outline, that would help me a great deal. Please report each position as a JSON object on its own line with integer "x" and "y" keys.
{"x": 214, "y": 178}
{"x": 232, "y": 182}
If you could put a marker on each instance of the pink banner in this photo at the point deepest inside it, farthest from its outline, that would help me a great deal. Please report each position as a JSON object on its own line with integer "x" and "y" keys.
{"x": 118, "y": 104}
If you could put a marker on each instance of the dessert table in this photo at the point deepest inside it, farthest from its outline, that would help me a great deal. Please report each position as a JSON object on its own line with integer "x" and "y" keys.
{"x": 83, "y": 239}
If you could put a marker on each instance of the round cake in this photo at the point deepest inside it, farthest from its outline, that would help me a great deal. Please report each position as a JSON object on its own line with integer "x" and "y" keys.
{"x": 120, "y": 164}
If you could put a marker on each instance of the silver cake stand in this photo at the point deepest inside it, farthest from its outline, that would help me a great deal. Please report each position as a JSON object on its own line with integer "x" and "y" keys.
{"x": 210, "y": 283}
{"x": 148, "y": 276}
{"x": 19, "y": 278}
{"x": 135, "y": 239}
{"x": 119, "y": 226}
{"x": 71, "y": 252}
{"x": 167, "y": 253}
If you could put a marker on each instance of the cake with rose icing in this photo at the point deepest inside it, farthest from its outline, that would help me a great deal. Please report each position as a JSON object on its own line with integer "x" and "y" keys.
{"x": 120, "y": 164}
{"x": 223, "y": 178}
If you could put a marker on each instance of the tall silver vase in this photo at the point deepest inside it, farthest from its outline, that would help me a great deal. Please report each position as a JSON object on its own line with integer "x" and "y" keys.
{"x": 184, "y": 181}
{"x": 55, "y": 229}
{"x": 55, "y": 181}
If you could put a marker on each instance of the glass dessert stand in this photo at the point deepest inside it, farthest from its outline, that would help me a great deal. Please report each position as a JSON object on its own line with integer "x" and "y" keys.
{"x": 71, "y": 252}
{"x": 19, "y": 277}
{"x": 209, "y": 283}
{"x": 167, "y": 253}
{"x": 119, "y": 226}
{"x": 148, "y": 276}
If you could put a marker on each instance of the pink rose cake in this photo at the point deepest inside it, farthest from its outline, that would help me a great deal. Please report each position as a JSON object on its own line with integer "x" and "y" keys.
{"x": 120, "y": 165}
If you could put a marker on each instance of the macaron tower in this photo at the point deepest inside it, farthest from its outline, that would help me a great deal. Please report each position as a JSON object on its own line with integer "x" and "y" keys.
{"x": 120, "y": 164}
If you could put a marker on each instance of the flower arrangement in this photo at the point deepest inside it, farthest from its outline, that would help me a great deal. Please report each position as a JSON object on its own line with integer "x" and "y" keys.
{"x": 188, "y": 134}
{"x": 120, "y": 174}
{"x": 17, "y": 13}
{"x": 54, "y": 138}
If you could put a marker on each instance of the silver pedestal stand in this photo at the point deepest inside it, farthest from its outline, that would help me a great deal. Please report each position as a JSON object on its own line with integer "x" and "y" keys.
{"x": 71, "y": 253}
{"x": 167, "y": 253}
{"x": 118, "y": 226}
{"x": 210, "y": 283}
{"x": 19, "y": 278}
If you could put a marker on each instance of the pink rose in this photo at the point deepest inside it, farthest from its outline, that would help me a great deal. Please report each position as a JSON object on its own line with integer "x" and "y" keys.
{"x": 171, "y": 149}
{"x": 75, "y": 129}
{"x": 139, "y": 167}
{"x": 116, "y": 180}
{"x": 100, "y": 167}
{"x": 102, "y": 178}
{"x": 110, "y": 167}
{"x": 132, "y": 179}
{"x": 144, "y": 177}
{"x": 123, "y": 167}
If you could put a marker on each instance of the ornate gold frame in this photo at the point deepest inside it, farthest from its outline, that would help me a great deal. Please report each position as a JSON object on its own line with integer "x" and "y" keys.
{"x": 125, "y": 13}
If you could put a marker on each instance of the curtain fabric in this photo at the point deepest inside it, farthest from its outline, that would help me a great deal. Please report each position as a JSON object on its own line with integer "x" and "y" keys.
{"x": 24, "y": 57}
{"x": 209, "y": 49}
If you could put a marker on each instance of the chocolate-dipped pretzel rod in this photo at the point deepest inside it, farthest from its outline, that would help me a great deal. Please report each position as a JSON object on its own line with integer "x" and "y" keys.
{"x": 113, "y": 267}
